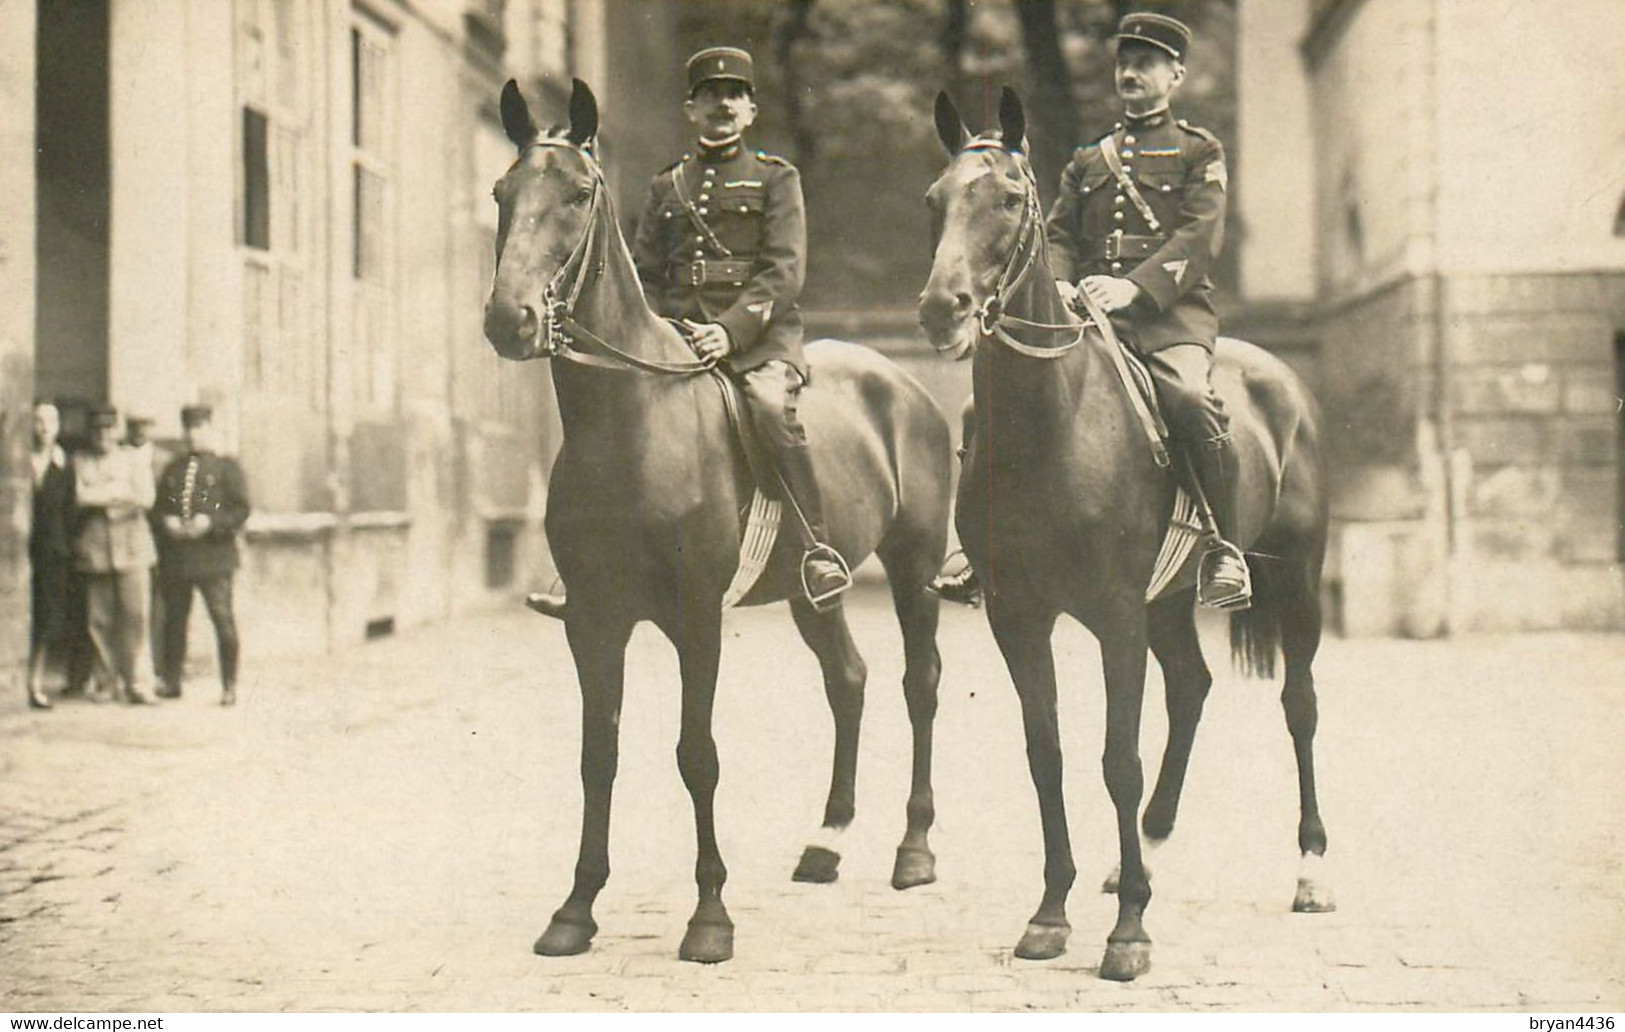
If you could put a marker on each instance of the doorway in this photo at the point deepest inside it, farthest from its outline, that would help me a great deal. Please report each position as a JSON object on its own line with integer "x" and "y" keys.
{"x": 73, "y": 173}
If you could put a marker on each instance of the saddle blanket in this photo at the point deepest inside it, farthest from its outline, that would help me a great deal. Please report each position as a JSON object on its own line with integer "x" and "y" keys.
{"x": 1184, "y": 526}
{"x": 1184, "y": 530}
{"x": 756, "y": 545}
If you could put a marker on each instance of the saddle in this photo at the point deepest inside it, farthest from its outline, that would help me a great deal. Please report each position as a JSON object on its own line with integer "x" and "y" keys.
{"x": 762, "y": 517}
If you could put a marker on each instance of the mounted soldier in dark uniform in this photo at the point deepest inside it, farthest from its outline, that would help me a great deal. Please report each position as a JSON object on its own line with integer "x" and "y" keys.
{"x": 1136, "y": 227}
{"x": 722, "y": 246}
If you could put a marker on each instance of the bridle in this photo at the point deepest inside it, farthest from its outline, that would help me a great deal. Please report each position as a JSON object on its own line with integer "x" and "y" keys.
{"x": 991, "y": 314}
{"x": 561, "y": 333}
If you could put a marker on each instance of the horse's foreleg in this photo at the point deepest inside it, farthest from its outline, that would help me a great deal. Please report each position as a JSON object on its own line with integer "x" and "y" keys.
{"x": 917, "y": 614}
{"x": 844, "y": 673}
{"x": 599, "y": 648}
{"x": 1025, "y": 642}
{"x": 1123, "y": 655}
{"x": 709, "y": 938}
{"x": 1300, "y": 639}
{"x": 1172, "y": 631}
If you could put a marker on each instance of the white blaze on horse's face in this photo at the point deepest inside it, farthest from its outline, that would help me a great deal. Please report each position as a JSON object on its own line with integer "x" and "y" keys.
{"x": 544, "y": 204}
{"x": 976, "y": 209}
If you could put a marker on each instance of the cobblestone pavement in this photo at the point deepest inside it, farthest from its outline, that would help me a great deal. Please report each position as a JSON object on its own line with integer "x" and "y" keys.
{"x": 390, "y": 828}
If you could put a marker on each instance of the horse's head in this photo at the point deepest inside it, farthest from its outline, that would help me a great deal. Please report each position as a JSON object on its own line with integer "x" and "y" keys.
{"x": 546, "y": 203}
{"x": 985, "y": 223}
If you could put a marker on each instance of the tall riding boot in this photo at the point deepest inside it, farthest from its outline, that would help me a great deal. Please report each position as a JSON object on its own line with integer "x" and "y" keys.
{"x": 824, "y": 574}
{"x": 1223, "y": 581}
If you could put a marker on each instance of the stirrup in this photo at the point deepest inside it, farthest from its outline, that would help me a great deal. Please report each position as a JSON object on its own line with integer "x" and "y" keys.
{"x": 546, "y": 604}
{"x": 963, "y": 587}
{"x": 826, "y": 599}
{"x": 1234, "y": 600}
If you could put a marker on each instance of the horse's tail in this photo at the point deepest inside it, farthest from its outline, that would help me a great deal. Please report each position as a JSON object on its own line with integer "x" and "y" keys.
{"x": 1255, "y": 633}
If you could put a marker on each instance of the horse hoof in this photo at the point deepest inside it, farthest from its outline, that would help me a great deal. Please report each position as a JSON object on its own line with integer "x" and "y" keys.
{"x": 565, "y": 937}
{"x": 1313, "y": 898}
{"x": 1043, "y": 942}
{"x": 818, "y": 865}
{"x": 914, "y": 866}
{"x": 707, "y": 942}
{"x": 1125, "y": 961}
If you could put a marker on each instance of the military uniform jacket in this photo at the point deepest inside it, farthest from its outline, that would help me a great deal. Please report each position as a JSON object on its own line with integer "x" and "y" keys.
{"x": 112, "y": 492}
{"x": 1179, "y": 171}
{"x": 739, "y": 258}
{"x": 201, "y": 483}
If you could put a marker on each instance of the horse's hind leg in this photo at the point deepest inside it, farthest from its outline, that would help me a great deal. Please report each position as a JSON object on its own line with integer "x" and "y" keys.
{"x": 917, "y": 614}
{"x": 599, "y": 648}
{"x": 827, "y": 635}
{"x": 1300, "y": 639}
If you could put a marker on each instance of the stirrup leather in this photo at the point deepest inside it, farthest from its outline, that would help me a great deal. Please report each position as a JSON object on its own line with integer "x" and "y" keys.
{"x": 1234, "y": 600}
{"x": 824, "y": 599}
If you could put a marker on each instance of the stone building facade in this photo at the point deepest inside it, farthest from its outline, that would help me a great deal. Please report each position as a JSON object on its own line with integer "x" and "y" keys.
{"x": 282, "y": 208}
{"x": 1467, "y": 253}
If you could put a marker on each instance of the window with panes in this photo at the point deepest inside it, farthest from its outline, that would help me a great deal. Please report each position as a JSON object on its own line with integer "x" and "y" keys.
{"x": 372, "y": 183}
{"x": 271, "y": 54}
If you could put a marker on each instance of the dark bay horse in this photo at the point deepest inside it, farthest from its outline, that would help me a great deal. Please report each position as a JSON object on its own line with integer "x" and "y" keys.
{"x": 645, "y": 504}
{"x": 1062, "y": 507}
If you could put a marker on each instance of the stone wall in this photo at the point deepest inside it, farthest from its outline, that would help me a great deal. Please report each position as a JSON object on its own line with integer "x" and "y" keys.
{"x": 17, "y": 33}
{"x": 1535, "y": 449}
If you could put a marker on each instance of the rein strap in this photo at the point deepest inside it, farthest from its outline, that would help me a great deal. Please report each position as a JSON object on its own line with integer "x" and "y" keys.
{"x": 1142, "y": 411}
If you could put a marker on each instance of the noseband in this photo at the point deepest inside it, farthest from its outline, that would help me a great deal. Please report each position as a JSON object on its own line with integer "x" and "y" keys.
{"x": 561, "y": 332}
{"x": 992, "y": 313}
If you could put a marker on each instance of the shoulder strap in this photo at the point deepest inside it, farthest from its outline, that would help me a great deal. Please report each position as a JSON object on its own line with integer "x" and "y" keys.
{"x": 693, "y": 213}
{"x": 1108, "y": 150}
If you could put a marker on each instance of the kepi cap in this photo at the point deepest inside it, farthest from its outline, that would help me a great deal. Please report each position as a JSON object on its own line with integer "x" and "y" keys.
{"x": 720, "y": 63}
{"x": 195, "y": 416}
{"x": 1159, "y": 30}
{"x": 103, "y": 416}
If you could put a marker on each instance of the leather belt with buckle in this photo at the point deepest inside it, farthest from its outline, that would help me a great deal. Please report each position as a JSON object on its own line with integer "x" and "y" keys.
{"x": 732, "y": 271}
{"x": 1120, "y": 245}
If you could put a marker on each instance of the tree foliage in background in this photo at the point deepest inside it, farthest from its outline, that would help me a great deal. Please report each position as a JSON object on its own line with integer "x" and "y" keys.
{"x": 847, "y": 86}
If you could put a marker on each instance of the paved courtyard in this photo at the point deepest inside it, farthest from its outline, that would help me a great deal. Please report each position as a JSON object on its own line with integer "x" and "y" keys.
{"x": 389, "y": 829}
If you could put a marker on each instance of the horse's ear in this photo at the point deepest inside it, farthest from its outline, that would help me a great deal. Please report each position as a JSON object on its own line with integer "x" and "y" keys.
{"x": 583, "y": 114}
{"x": 950, "y": 127}
{"x": 516, "y": 120}
{"x": 1012, "y": 121}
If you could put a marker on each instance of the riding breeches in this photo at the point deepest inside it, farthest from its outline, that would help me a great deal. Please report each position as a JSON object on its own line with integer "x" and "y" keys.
{"x": 1184, "y": 378}
{"x": 772, "y": 391}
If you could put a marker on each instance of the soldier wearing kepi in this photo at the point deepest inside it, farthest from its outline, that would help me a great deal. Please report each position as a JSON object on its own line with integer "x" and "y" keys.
{"x": 201, "y": 506}
{"x": 722, "y": 246}
{"x": 1137, "y": 223}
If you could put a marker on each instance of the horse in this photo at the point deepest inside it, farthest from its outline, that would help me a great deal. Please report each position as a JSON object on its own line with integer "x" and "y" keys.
{"x": 646, "y": 501}
{"x": 1062, "y": 505}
